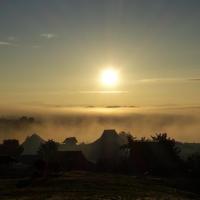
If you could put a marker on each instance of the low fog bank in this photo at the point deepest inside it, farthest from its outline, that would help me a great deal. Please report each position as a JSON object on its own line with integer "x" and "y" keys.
{"x": 87, "y": 123}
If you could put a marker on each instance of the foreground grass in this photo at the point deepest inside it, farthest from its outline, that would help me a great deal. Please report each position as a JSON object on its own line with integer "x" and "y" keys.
{"x": 85, "y": 185}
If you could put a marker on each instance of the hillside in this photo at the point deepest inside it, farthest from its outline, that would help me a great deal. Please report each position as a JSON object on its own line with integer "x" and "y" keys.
{"x": 85, "y": 185}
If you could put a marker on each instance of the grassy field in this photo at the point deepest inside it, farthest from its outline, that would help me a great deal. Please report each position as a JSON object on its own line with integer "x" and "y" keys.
{"x": 85, "y": 185}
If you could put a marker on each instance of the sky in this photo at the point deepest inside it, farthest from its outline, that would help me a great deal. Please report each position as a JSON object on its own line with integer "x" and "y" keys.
{"x": 53, "y": 52}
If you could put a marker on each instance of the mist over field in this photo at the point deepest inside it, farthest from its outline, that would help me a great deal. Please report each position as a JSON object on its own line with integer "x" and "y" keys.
{"x": 88, "y": 123}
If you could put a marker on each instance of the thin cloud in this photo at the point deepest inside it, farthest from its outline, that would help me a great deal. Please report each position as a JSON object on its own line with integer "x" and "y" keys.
{"x": 8, "y": 44}
{"x": 168, "y": 80}
{"x": 11, "y": 38}
{"x": 48, "y": 35}
{"x": 154, "y": 80}
{"x": 194, "y": 79}
{"x": 49, "y": 105}
{"x": 2, "y": 43}
{"x": 36, "y": 46}
{"x": 104, "y": 92}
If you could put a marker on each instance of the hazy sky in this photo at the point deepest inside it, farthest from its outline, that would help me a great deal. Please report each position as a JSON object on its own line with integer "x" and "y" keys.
{"x": 52, "y": 51}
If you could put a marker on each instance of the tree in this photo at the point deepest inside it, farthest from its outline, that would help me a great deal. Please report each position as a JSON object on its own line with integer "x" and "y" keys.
{"x": 193, "y": 164}
{"x": 144, "y": 139}
{"x": 48, "y": 161}
{"x": 130, "y": 144}
{"x": 168, "y": 142}
{"x": 70, "y": 141}
{"x": 128, "y": 151}
{"x": 47, "y": 150}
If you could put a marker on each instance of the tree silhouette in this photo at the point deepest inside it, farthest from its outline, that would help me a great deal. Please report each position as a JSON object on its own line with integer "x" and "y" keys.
{"x": 130, "y": 144}
{"x": 193, "y": 164}
{"x": 47, "y": 150}
{"x": 48, "y": 162}
{"x": 128, "y": 150}
{"x": 167, "y": 142}
{"x": 161, "y": 137}
{"x": 144, "y": 139}
{"x": 70, "y": 141}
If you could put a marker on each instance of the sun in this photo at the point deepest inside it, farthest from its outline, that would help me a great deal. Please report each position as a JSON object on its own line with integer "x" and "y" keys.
{"x": 109, "y": 77}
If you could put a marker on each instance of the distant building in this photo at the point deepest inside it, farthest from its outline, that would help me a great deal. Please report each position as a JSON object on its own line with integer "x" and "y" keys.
{"x": 6, "y": 161}
{"x": 10, "y": 148}
{"x": 28, "y": 159}
{"x": 6, "y": 165}
{"x": 107, "y": 147}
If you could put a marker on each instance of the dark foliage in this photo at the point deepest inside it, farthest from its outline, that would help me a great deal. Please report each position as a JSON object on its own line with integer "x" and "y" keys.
{"x": 70, "y": 141}
{"x": 193, "y": 165}
{"x": 47, "y": 153}
{"x": 168, "y": 142}
{"x": 113, "y": 153}
{"x": 158, "y": 156}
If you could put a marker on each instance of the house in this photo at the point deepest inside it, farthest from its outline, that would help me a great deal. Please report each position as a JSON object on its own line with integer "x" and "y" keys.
{"x": 107, "y": 147}
{"x": 6, "y": 160}
{"x": 10, "y": 148}
{"x": 73, "y": 160}
{"x": 28, "y": 159}
{"x": 6, "y": 165}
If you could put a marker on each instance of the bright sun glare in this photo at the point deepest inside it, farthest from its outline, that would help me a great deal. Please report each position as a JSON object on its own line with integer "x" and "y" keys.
{"x": 109, "y": 77}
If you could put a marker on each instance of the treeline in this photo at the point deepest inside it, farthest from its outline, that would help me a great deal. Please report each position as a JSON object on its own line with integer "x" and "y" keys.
{"x": 157, "y": 156}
